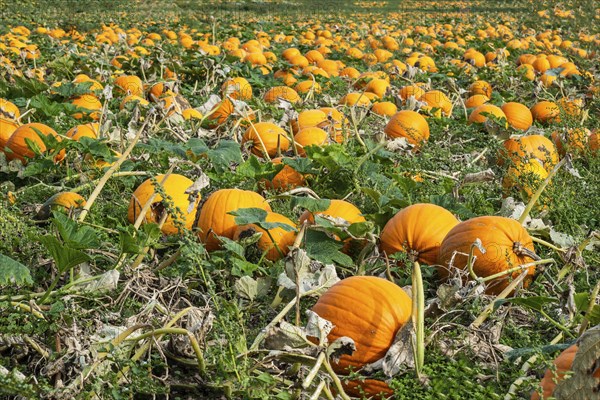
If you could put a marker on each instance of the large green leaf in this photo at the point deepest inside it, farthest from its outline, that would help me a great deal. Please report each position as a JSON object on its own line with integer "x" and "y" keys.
{"x": 322, "y": 248}
{"x": 13, "y": 272}
{"x": 64, "y": 256}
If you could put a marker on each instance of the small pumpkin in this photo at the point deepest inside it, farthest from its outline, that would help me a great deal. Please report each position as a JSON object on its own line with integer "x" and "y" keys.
{"x": 518, "y": 115}
{"x": 8, "y": 110}
{"x": 281, "y": 92}
{"x": 237, "y": 88}
{"x": 439, "y": 100}
{"x": 481, "y": 87}
{"x": 17, "y": 147}
{"x": 525, "y": 176}
{"x": 7, "y": 128}
{"x": 133, "y": 99}
{"x": 476, "y": 100}
{"x": 220, "y": 112}
{"x": 411, "y": 90}
{"x": 214, "y": 219}
{"x": 87, "y": 130}
{"x": 287, "y": 178}
{"x": 562, "y": 364}
{"x": 506, "y": 242}
{"x": 418, "y": 229}
{"x": 337, "y": 209}
{"x": 307, "y": 119}
{"x": 410, "y": 125}
{"x": 174, "y": 186}
{"x": 276, "y": 241}
{"x": 64, "y": 201}
{"x": 129, "y": 85}
{"x": 478, "y": 116}
{"x": 355, "y": 99}
{"x": 266, "y": 138}
{"x": 369, "y": 388}
{"x": 574, "y": 140}
{"x": 367, "y": 309}
{"x": 384, "y": 108}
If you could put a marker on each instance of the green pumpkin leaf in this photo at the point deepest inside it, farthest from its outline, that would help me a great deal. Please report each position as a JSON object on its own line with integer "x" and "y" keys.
{"x": 535, "y": 303}
{"x": 310, "y": 204}
{"x": 64, "y": 256}
{"x": 13, "y": 272}
{"x": 322, "y": 248}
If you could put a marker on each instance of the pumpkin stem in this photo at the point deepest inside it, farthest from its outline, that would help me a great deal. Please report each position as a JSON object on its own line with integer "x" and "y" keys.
{"x": 520, "y": 250}
{"x": 418, "y": 318}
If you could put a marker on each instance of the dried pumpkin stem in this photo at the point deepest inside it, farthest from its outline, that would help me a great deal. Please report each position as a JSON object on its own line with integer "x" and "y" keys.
{"x": 471, "y": 261}
{"x": 314, "y": 370}
{"x": 418, "y": 318}
{"x": 336, "y": 380}
{"x": 540, "y": 189}
{"x": 109, "y": 173}
{"x": 487, "y": 311}
{"x": 547, "y": 244}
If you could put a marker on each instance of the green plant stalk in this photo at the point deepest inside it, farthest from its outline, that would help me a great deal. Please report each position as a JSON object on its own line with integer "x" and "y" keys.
{"x": 317, "y": 393}
{"x": 471, "y": 261}
{"x": 102, "y": 182}
{"x": 314, "y": 370}
{"x": 593, "y": 298}
{"x": 418, "y": 318}
{"x": 539, "y": 191}
{"x": 517, "y": 268}
{"x": 556, "y": 323}
{"x": 27, "y": 308}
{"x": 487, "y": 311}
{"x": 547, "y": 244}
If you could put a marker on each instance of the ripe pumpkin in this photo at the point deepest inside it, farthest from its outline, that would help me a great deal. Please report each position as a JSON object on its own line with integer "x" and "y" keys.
{"x": 281, "y": 92}
{"x": 276, "y": 238}
{"x": 129, "y": 84}
{"x": 563, "y": 364}
{"x": 437, "y": 99}
{"x": 481, "y": 87}
{"x": 237, "y": 88}
{"x": 420, "y": 229}
{"x": 518, "y": 115}
{"x": 311, "y": 136}
{"x": 411, "y": 90}
{"x": 174, "y": 186}
{"x": 17, "y": 148}
{"x": 287, "y": 178}
{"x": 384, "y": 108}
{"x": 63, "y": 201}
{"x": 410, "y": 125}
{"x": 545, "y": 112}
{"x": 573, "y": 139}
{"x": 133, "y": 99}
{"x": 87, "y": 130}
{"x": 506, "y": 242}
{"x": 89, "y": 105}
{"x": 367, "y": 309}
{"x": 8, "y": 110}
{"x": 477, "y": 115}
{"x": 525, "y": 176}
{"x": 307, "y": 119}
{"x": 266, "y": 138}
{"x": 370, "y": 388}
{"x": 476, "y": 100}
{"x": 214, "y": 219}
{"x": 335, "y": 124}
{"x": 7, "y": 128}
{"x": 521, "y": 149}
{"x": 220, "y": 112}
{"x": 337, "y": 209}
{"x": 355, "y": 99}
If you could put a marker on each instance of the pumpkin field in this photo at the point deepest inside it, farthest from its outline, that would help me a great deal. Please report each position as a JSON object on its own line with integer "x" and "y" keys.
{"x": 295, "y": 199}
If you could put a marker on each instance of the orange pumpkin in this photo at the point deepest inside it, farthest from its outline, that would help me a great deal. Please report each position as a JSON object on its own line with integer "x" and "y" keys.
{"x": 384, "y": 108}
{"x": 521, "y": 149}
{"x": 283, "y": 93}
{"x": 478, "y": 115}
{"x": 129, "y": 84}
{"x": 311, "y": 136}
{"x": 8, "y": 110}
{"x": 17, "y": 147}
{"x": 367, "y": 309}
{"x": 506, "y": 242}
{"x": 476, "y": 100}
{"x": 337, "y": 209}
{"x": 275, "y": 242}
{"x": 220, "y": 112}
{"x": 545, "y": 112}
{"x": 481, "y": 87}
{"x": 266, "y": 138}
{"x": 410, "y": 125}
{"x": 174, "y": 187}
{"x": 418, "y": 229}
{"x": 573, "y": 140}
{"x": 64, "y": 201}
{"x": 237, "y": 88}
{"x": 437, "y": 99}
{"x": 88, "y": 130}
{"x": 214, "y": 219}
{"x": 308, "y": 119}
{"x": 89, "y": 105}
{"x": 562, "y": 364}
{"x": 369, "y": 388}
{"x": 525, "y": 176}
{"x": 287, "y": 178}
{"x": 518, "y": 115}
{"x": 355, "y": 99}
{"x": 7, "y": 128}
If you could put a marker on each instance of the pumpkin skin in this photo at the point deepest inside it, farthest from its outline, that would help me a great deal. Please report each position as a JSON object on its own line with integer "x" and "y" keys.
{"x": 270, "y": 135}
{"x": 521, "y": 149}
{"x": 500, "y": 236}
{"x": 518, "y": 115}
{"x": 18, "y": 146}
{"x": 476, "y": 100}
{"x": 8, "y": 110}
{"x": 7, "y": 128}
{"x": 477, "y": 116}
{"x": 371, "y": 388}
{"x": 287, "y": 178}
{"x": 355, "y": 99}
{"x": 545, "y": 112}
{"x": 563, "y": 364}
{"x": 214, "y": 218}
{"x": 281, "y": 92}
{"x": 337, "y": 209}
{"x": 411, "y": 90}
{"x": 481, "y": 87}
{"x": 90, "y": 107}
{"x": 526, "y": 176}
{"x": 63, "y": 201}
{"x": 311, "y": 136}
{"x": 88, "y": 130}
{"x": 418, "y": 228}
{"x": 220, "y": 112}
{"x": 284, "y": 239}
{"x": 308, "y": 119}
{"x": 130, "y": 84}
{"x": 174, "y": 186}
{"x": 384, "y": 108}
{"x": 369, "y": 310}
{"x": 410, "y": 125}
{"x": 237, "y": 88}
{"x": 438, "y": 99}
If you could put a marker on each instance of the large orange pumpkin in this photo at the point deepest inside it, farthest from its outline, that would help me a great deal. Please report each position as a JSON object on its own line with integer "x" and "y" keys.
{"x": 308, "y": 119}
{"x": 8, "y": 110}
{"x": 174, "y": 187}
{"x": 63, "y": 201}
{"x": 545, "y": 112}
{"x": 517, "y": 115}
{"x": 526, "y": 147}
{"x": 7, "y": 128}
{"x": 273, "y": 239}
{"x": 337, "y": 209}
{"x": 563, "y": 364}
{"x": 371, "y": 388}
{"x": 214, "y": 219}
{"x": 367, "y": 309}
{"x": 88, "y": 105}
{"x": 130, "y": 84}
{"x": 266, "y": 138}
{"x": 506, "y": 242}
{"x": 311, "y": 136}
{"x": 17, "y": 148}
{"x": 420, "y": 229}
{"x": 410, "y": 125}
